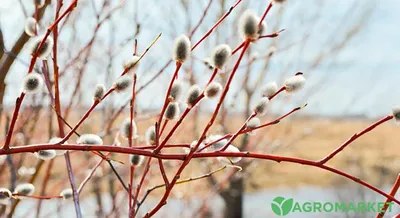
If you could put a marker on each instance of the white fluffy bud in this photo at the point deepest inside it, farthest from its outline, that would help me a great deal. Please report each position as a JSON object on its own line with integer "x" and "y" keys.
{"x": 45, "y": 154}
{"x": 25, "y": 189}
{"x": 126, "y": 128}
{"x": 39, "y": 3}
{"x": 192, "y": 145}
{"x": 192, "y": 96}
{"x": 212, "y": 90}
{"x": 32, "y": 83}
{"x": 217, "y": 145}
{"x": 99, "y": 92}
{"x": 261, "y": 107}
{"x": 67, "y": 194}
{"x": 45, "y": 50}
{"x": 248, "y": 25}
{"x": 295, "y": 83}
{"x": 220, "y": 55}
{"x": 122, "y": 83}
{"x": 131, "y": 63}
{"x": 150, "y": 135}
{"x": 252, "y": 123}
{"x": 228, "y": 160}
{"x": 269, "y": 89}
{"x": 90, "y": 139}
{"x": 396, "y": 114}
{"x": 31, "y": 26}
{"x": 172, "y": 111}
{"x": 176, "y": 91}
{"x": 181, "y": 49}
{"x": 5, "y": 194}
{"x": 136, "y": 160}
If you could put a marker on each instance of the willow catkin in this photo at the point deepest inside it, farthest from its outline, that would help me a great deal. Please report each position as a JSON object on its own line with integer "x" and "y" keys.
{"x": 99, "y": 92}
{"x": 212, "y": 90}
{"x": 248, "y": 25}
{"x": 32, "y": 83}
{"x": 25, "y": 189}
{"x": 31, "y": 26}
{"x": 122, "y": 83}
{"x": 136, "y": 160}
{"x": 132, "y": 63}
{"x": 396, "y": 114}
{"x": 261, "y": 107}
{"x": 67, "y": 194}
{"x": 39, "y": 3}
{"x": 192, "y": 95}
{"x": 181, "y": 49}
{"x": 126, "y": 128}
{"x": 150, "y": 135}
{"x": 295, "y": 83}
{"x": 90, "y": 139}
{"x": 46, "y": 48}
{"x": 269, "y": 89}
{"x": 220, "y": 55}
{"x": 176, "y": 91}
{"x": 227, "y": 160}
{"x": 172, "y": 111}
{"x": 45, "y": 154}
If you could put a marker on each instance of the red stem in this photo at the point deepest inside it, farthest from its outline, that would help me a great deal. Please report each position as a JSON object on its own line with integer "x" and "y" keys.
{"x": 190, "y": 155}
{"x": 166, "y": 100}
{"x": 216, "y": 24}
{"x": 354, "y": 137}
{"x": 238, "y": 132}
{"x": 395, "y": 188}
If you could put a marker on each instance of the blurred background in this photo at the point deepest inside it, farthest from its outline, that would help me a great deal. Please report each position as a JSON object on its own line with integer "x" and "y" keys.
{"x": 347, "y": 50}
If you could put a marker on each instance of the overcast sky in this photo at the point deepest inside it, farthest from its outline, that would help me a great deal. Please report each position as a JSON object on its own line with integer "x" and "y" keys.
{"x": 361, "y": 79}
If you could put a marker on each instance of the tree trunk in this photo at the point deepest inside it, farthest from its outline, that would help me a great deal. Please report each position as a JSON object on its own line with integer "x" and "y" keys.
{"x": 233, "y": 198}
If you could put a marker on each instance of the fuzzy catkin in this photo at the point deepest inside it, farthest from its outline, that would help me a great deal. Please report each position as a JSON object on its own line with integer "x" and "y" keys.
{"x": 25, "y": 189}
{"x": 227, "y": 160}
{"x": 261, "y": 107}
{"x": 126, "y": 128}
{"x": 131, "y": 63}
{"x": 32, "y": 83}
{"x": 5, "y": 193}
{"x": 192, "y": 96}
{"x": 220, "y": 55}
{"x": 217, "y": 145}
{"x": 136, "y": 160}
{"x": 181, "y": 49}
{"x": 269, "y": 89}
{"x": 172, "y": 111}
{"x": 31, "y": 26}
{"x": 90, "y": 139}
{"x": 212, "y": 90}
{"x": 46, "y": 48}
{"x": 122, "y": 83}
{"x": 176, "y": 91}
{"x": 295, "y": 83}
{"x": 67, "y": 194}
{"x": 396, "y": 114}
{"x": 45, "y": 154}
{"x": 99, "y": 92}
{"x": 248, "y": 25}
{"x": 39, "y": 3}
{"x": 150, "y": 135}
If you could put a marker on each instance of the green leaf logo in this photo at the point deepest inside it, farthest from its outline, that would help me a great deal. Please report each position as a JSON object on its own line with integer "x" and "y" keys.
{"x": 282, "y": 206}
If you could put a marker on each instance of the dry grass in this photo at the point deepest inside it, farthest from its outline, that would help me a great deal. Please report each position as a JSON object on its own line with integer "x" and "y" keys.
{"x": 373, "y": 152}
